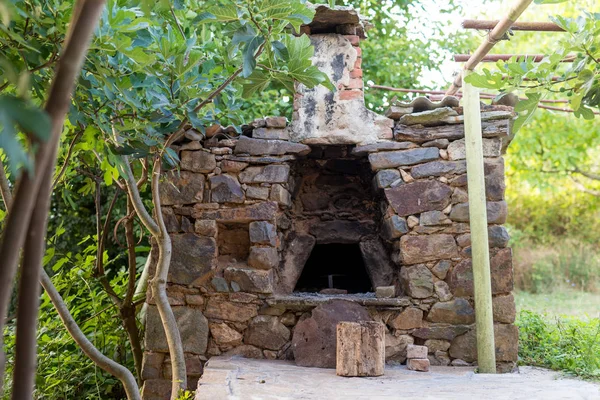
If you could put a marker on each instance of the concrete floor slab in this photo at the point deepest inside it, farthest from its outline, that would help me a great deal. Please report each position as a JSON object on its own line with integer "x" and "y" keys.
{"x": 237, "y": 378}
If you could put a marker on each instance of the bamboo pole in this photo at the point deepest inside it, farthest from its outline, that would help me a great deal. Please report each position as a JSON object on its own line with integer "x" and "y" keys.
{"x": 486, "y": 355}
{"x": 494, "y": 36}
{"x": 517, "y": 26}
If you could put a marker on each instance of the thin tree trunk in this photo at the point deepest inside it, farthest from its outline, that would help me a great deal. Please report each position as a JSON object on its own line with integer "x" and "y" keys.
{"x": 108, "y": 365}
{"x": 84, "y": 20}
{"x": 159, "y": 282}
{"x": 29, "y": 295}
{"x": 128, "y": 308}
{"x": 159, "y": 291}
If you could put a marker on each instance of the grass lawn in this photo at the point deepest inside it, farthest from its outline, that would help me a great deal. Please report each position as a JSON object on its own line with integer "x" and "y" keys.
{"x": 563, "y": 302}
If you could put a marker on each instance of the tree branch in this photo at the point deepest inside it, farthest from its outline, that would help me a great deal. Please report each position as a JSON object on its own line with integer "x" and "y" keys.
{"x": 159, "y": 290}
{"x": 108, "y": 365}
{"x": 5, "y": 189}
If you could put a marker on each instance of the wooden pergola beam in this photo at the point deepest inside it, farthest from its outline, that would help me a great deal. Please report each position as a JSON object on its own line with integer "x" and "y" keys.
{"x": 506, "y": 57}
{"x": 492, "y": 38}
{"x": 516, "y": 26}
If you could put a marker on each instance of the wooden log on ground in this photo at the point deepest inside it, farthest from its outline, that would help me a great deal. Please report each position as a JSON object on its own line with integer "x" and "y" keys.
{"x": 360, "y": 348}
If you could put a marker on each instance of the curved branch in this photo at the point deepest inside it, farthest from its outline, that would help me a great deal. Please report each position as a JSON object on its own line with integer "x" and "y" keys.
{"x": 5, "y": 188}
{"x": 136, "y": 200}
{"x": 159, "y": 290}
{"x": 108, "y": 365}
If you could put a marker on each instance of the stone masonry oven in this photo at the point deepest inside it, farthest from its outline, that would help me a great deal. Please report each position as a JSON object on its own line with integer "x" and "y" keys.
{"x": 281, "y": 231}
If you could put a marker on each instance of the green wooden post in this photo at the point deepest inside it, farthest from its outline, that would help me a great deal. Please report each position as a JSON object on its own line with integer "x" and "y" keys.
{"x": 486, "y": 355}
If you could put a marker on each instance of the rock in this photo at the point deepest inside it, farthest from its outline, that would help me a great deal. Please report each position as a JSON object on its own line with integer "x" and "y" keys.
{"x": 418, "y": 364}
{"x": 193, "y": 328}
{"x": 431, "y": 218}
{"x": 439, "y": 143}
{"x": 171, "y": 222}
{"x": 226, "y": 189}
{"x": 441, "y": 269}
{"x": 442, "y": 290}
{"x": 245, "y": 351}
{"x": 427, "y": 248}
{"x": 497, "y": 237}
{"x": 156, "y": 389}
{"x": 394, "y": 227}
{"x": 271, "y": 133}
{"x": 205, "y": 227}
{"x": 504, "y": 309}
{"x": 339, "y": 117}
{"x": 434, "y": 345}
{"x": 263, "y": 257}
{"x": 276, "y": 122}
{"x": 439, "y": 358}
{"x": 181, "y": 187}
{"x": 251, "y": 280}
{"x": 417, "y": 197}
{"x": 192, "y": 257}
{"x": 260, "y": 147}
{"x": 257, "y": 192}
{"x": 395, "y": 347}
{"x": 341, "y": 231}
{"x": 438, "y": 168}
{"x": 382, "y": 292}
{"x": 393, "y": 159}
{"x": 412, "y": 221}
{"x": 459, "y": 363}
{"x": 233, "y": 166}
{"x": 414, "y": 351}
{"x": 494, "y": 179}
{"x": 314, "y": 201}
{"x": 457, "y": 311}
{"x": 362, "y": 150}
{"x": 294, "y": 257}
{"x": 263, "y": 232}
{"x": 506, "y": 339}
{"x": 280, "y": 195}
{"x": 218, "y": 308}
{"x": 220, "y": 284}
{"x": 491, "y": 148}
{"x": 461, "y": 277}
{"x": 314, "y": 339}
{"x": 497, "y": 212}
{"x": 440, "y": 331}
{"x": 266, "y": 174}
{"x": 264, "y": 211}
{"x": 385, "y": 178}
{"x": 417, "y": 134}
{"x": 198, "y": 161}
{"x": 224, "y": 335}
{"x": 427, "y": 118}
{"x": 152, "y": 365}
{"x": 194, "y": 300}
{"x": 377, "y": 262}
{"x": 417, "y": 281}
{"x": 266, "y": 332}
{"x": 410, "y": 318}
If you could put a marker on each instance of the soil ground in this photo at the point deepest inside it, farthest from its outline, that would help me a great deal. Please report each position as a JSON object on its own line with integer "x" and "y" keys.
{"x": 244, "y": 379}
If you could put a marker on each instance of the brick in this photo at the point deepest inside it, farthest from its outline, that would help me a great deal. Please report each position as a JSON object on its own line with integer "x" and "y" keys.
{"x": 415, "y": 351}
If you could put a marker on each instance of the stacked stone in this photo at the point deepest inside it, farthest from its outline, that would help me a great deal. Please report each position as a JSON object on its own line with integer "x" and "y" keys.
{"x": 222, "y": 208}
{"x": 416, "y": 358}
{"x": 422, "y": 177}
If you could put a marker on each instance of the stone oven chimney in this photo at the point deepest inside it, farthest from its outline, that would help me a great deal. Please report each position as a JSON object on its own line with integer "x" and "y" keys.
{"x": 323, "y": 117}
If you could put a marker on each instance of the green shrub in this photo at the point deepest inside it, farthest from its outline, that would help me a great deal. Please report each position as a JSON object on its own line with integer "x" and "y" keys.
{"x": 567, "y": 344}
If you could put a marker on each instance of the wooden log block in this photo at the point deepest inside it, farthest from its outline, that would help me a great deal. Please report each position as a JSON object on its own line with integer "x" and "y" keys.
{"x": 360, "y": 348}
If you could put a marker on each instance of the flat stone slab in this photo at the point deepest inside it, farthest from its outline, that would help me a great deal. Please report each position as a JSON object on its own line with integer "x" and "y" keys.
{"x": 239, "y": 378}
{"x": 308, "y": 301}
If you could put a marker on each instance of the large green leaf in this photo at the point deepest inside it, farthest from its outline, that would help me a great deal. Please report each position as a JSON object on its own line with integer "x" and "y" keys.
{"x": 31, "y": 119}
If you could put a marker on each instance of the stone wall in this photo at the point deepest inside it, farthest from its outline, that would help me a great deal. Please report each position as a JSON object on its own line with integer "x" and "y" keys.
{"x": 244, "y": 214}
